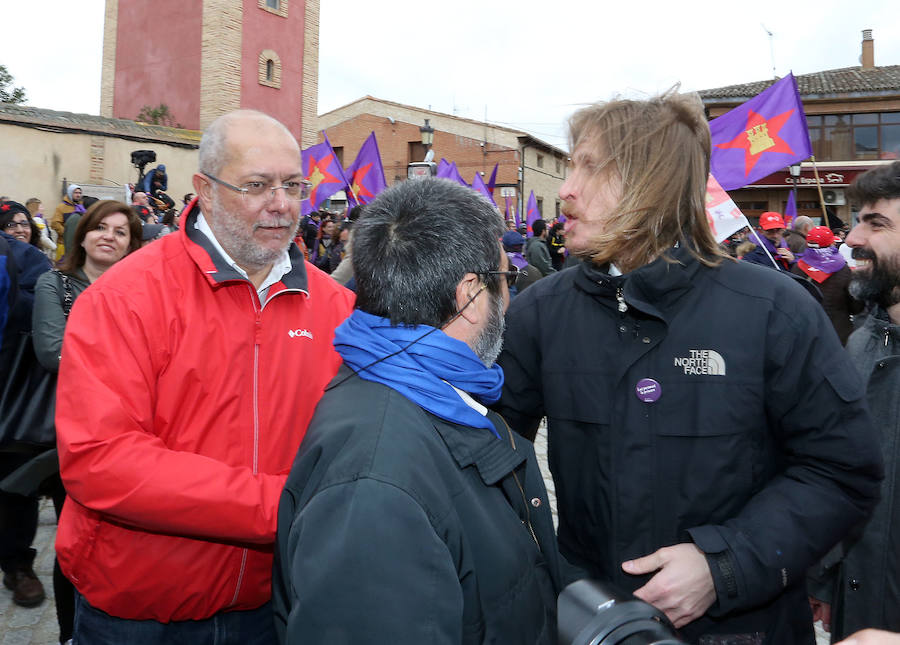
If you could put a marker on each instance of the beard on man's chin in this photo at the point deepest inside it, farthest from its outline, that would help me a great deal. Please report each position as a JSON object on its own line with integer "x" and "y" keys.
{"x": 489, "y": 342}
{"x": 880, "y": 283}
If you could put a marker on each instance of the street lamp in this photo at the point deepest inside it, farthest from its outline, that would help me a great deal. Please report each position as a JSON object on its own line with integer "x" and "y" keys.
{"x": 795, "y": 175}
{"x": 427, "y": 135}
{"x": 426, "y": 168}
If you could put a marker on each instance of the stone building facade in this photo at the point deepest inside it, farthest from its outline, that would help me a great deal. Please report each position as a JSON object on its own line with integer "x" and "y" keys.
{"x": 524, "y": 162}
{"x": 46, "y": 149}
{"x": 205, "y": 58}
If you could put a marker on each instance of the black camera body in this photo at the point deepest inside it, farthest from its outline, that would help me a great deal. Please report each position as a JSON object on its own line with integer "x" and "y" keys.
{"x": 589, "y": 613}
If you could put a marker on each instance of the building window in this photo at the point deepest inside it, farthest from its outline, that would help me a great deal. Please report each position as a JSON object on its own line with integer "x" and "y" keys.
{"x": 278, "y": 7}
{"x": 339, "y": 154}
{"x": 558, "y": 166}
{"x": 417, "y": 151}
{"x": 269, "y": 69}
{"x": 540, "y": 205}
{"x": 871, "y": 135}
{"x": 540, "y": 161}
{"x": 557, "y": 201}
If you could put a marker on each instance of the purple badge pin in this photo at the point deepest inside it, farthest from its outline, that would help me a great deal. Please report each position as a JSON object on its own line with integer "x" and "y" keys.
{"x": 648, "y": 390}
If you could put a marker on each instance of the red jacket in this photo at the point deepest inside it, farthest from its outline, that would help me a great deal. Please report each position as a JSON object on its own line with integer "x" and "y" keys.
{"x": 181, "y": 404}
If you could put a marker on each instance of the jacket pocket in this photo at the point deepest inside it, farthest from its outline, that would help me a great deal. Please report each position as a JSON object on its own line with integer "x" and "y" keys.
{"x": 707, "y": 438}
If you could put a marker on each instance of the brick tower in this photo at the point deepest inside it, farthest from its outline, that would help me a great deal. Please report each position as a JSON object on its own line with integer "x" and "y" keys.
{"x": 202, "y": 58}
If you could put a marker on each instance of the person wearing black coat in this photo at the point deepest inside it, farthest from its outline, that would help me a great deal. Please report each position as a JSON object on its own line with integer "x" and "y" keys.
{"x": 412, "y": 513}
{"x": 708, "y": 437}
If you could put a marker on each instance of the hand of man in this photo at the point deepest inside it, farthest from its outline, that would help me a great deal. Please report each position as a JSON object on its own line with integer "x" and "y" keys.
{"x": 785, "y": 253}
{"x": 683, "y": 587}
{"x": 872, "y": 637}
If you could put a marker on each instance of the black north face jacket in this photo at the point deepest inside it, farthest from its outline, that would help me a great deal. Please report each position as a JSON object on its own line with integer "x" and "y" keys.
{"x": 688, "y": 403}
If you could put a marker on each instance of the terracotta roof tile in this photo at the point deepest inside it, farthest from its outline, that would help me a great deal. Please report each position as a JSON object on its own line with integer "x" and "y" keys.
{"x": 848, "y": 80}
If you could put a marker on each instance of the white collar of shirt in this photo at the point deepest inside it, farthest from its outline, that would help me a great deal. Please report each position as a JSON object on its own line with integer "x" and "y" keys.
{"x": 280, "y": 268}
{"x": 468, "y": 400}
{"x": 614, "y": 270}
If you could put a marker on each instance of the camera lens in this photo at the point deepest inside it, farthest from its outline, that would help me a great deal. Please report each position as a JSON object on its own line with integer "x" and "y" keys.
{"x": 590, "y": 613}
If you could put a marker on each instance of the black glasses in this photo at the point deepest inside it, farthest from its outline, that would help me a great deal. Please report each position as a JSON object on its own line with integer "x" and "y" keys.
{"x": 511, "y": 276}
{"x": 260, "y": 191}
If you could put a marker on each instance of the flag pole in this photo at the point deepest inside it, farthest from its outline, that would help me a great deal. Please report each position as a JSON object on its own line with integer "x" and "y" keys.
{"x": 819, "y": 186}
{"x": 756, "y": 235}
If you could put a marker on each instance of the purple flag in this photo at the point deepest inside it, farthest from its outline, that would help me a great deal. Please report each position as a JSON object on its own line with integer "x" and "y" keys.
{"x": 448, "y": 170}
{"x": 366, "y": 174}
{"x": 506, "y": 216}
{"x": 790, "y": 212}
{"x": 478, "y": 185}
{"x": 321, "y": 168}
{"x": 443, "y": 170}
{"x": 758, "y": 137}
{"x": 454, "y": 174}
{"x": 492, "y": 182}
{"x": 516, "y": 214}
{"x": 531, "y": 213}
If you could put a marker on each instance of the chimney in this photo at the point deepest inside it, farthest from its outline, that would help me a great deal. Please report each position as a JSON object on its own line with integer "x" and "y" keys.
{"x": 868, "y": 50}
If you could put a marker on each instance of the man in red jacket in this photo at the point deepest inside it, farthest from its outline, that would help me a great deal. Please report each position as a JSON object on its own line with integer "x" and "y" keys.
{"x": 189, "y": 374}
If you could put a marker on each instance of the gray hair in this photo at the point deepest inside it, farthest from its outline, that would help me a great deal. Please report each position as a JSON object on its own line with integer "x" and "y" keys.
{"x": 802, "y": 224}
{"x": 415, "y": 242}
{"x": 214, "y": 153}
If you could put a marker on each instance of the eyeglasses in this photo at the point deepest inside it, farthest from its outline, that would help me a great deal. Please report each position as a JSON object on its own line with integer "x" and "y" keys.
{"x": 511, "y": 276}
{"x": 260, "y": 191}
{"x": 11, "y": 226}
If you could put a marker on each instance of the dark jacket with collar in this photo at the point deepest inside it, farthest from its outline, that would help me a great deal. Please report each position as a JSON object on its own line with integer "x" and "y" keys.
{"x": 538, "y": 254}
{"x": 759, "y": 448}
{"x": 865, "y": 586}
{"x": 398, "y": 527}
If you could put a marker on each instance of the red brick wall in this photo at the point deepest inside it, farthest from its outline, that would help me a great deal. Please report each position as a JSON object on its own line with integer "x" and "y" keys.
{"x": 158, "y": 59}
{"x": 393, "y": 143}
{"x": 264, "y": 30}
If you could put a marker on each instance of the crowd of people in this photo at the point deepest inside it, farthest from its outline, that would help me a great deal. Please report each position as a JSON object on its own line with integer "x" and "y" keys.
{"x": 317, "y": 428}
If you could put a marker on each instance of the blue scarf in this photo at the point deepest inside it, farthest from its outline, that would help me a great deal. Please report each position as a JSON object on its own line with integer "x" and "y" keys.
{"x": 419, "y": 373}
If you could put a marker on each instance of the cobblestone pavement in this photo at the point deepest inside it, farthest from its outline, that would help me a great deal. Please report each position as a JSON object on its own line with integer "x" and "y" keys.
{"x": 37, "y": 626}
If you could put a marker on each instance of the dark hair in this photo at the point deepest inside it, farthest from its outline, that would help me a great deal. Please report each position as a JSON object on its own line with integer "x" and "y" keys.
{"x": 413, "y": 245}
{"x": 354, "y": 213}
{"x": 5, "y": 218}
{"x": 538, "y": 227}
{"x": 169, "y": 218}
{"x": 882, "y": 182}
{"x": 87, "y": 201}
{"x": 76, "y": 255}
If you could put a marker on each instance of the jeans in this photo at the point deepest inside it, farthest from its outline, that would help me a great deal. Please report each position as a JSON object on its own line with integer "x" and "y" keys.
{"x": 96, "y": 627}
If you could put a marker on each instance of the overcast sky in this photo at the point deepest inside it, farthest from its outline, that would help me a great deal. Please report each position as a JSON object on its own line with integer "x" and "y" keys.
{"x": 526, "y": 64}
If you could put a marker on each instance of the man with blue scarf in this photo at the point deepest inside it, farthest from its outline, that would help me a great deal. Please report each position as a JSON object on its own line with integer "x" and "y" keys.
{"x": 412, "y": 513}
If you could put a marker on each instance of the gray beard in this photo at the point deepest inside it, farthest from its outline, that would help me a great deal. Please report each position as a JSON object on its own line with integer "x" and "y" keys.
{"x": 235, "y": 238}
{"x": 489, "y": 342}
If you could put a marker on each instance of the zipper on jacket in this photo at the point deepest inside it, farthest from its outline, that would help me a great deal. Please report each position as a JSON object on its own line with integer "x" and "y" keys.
{"x": 527, "y": 521}
{"x": 257, "y": 334}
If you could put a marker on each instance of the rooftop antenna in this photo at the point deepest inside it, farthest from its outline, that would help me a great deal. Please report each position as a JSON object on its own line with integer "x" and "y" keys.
{"x": 771, "y": 48}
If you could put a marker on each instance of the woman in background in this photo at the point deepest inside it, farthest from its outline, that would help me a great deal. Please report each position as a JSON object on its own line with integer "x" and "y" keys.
{"x": 107, "y": 232}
